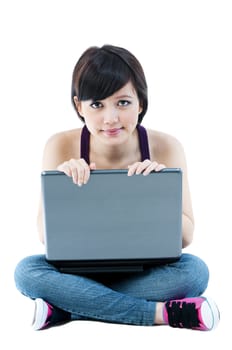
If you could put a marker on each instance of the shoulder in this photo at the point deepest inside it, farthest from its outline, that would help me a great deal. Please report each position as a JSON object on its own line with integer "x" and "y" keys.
{"x": 162, "y": 139}
{"x": 60, "y": 147}
{"x": 63, "y": 138}
{"x": 166, "y": 148}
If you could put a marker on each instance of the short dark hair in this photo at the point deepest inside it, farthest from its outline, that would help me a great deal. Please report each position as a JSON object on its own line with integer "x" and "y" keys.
{"x": 100, "y": 72}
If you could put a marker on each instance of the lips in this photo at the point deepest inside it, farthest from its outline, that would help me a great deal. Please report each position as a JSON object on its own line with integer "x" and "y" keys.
{"x": 112, "y": 132}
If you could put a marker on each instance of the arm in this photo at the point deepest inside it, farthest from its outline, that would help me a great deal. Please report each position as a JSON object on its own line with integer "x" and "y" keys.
{"x": 175, "y": 157}
{"x": 54, "y": 154}
{"x": 171, "y": 153}
{"x": 58, "y": 155}
{"x": 187, "y": 230}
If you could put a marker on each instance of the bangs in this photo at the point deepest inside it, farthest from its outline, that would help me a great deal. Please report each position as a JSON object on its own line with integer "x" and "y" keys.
{"x": 106, "y": 74}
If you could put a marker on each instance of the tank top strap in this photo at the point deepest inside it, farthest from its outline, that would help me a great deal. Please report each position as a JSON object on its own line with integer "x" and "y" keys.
{"x": 143, "y": 142}
{"x": 85, "y": 138}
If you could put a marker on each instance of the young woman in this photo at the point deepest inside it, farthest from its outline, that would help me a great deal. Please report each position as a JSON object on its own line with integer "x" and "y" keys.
{"x": 109, "y": 94}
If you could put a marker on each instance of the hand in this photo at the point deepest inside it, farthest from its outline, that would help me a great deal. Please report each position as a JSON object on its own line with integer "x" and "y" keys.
{"x": 145, "y": 167}
{"x": 78, "y": 169}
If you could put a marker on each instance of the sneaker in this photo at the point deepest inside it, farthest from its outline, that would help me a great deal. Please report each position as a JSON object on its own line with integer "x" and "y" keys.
{"x": 47, "y": 315}
{"x": 194, "y": 313}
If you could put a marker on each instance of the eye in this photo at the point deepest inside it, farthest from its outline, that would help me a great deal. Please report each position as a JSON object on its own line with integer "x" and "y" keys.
{"x": 96, "y": 104}
{"x": 124, "y": 103}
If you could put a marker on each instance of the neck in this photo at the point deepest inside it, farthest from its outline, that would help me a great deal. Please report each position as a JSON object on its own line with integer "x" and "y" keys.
{"x": 116, "y": 154}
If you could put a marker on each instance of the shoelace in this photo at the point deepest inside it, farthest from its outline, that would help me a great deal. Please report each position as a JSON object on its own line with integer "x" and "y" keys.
{"x": 182, "y": 314}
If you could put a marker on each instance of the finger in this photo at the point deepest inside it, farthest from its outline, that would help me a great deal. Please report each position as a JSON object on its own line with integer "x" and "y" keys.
{"x": 93, "y": 166}
{"x": 149, "y": 169}
{"x": 86, "y": 175}
{"x": 143, "y": 166}
{"x": 71, "y": 168}
{"x": 160, "y": 167}
{"x": 83, "y": 175}
{"x": 132, "y": 168}
{"x": 74, "y": 175}
{"x": 153, "y": 167}
{"x": 65, "y": 168}
{"x": 80, "y": 171}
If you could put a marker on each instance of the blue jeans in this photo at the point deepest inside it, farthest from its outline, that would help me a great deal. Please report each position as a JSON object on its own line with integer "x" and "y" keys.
{"x": 120, "y": 298}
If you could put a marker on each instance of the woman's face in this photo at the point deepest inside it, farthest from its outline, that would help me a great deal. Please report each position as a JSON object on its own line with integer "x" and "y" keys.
{"x": 113, "y": 119}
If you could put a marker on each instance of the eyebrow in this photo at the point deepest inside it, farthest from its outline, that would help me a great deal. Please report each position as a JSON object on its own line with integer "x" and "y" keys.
{"x": 123, "y": 96}
{"x": 116, "y": 97}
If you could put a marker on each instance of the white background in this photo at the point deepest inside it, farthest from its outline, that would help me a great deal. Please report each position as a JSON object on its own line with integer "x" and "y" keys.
{"x": 185, "y": 49}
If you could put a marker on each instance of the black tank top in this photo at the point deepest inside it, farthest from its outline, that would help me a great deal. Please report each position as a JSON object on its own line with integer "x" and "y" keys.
{"x": 143, "y": 142}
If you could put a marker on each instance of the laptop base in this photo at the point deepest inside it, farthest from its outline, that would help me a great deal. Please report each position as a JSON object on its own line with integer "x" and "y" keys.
{"x": 86, "y": 267}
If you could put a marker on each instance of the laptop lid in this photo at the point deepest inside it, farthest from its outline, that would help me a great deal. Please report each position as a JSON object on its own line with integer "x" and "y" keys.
{"x": 114, "y": 222}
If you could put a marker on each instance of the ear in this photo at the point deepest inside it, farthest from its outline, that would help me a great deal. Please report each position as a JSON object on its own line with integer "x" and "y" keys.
{"x": 140, "y": 109}
{"x": 77, "y": 104}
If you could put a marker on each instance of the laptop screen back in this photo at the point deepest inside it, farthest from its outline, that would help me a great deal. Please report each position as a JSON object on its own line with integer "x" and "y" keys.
{"x": 113, "y": 216}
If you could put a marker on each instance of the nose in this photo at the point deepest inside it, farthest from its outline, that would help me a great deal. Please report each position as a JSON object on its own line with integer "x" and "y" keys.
{"x": 111, "y": 116}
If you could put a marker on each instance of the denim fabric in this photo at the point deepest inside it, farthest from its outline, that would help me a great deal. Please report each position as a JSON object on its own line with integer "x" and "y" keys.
{"x": 119, "y": 298}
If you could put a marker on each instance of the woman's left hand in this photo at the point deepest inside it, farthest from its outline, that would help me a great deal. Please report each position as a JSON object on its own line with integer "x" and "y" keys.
{"x": 145, "y": 167}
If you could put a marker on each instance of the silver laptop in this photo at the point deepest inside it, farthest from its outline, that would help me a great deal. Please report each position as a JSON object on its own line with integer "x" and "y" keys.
{"x": 114, "y": 222}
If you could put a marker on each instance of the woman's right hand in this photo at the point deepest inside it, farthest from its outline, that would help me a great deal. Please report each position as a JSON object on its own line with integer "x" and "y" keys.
{"x": 78, "y": 169}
